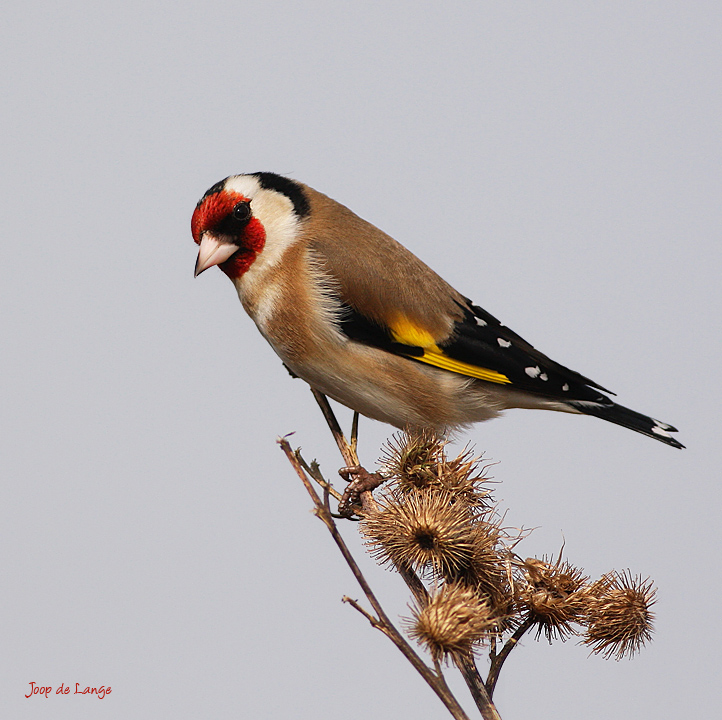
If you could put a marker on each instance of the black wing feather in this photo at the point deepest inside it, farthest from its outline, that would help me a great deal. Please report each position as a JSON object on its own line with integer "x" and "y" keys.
{"x": 480, "y": 339}
{"x": 478, "y": 343}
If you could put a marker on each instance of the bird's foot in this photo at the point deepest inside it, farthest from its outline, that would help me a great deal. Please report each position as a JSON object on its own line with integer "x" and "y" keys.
{"x": 359, "y": 481}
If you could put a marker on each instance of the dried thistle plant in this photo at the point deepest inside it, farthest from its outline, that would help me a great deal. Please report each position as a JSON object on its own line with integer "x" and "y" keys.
{"x": 554, "y": 595}
{"x": 451, "y": 621}
{"x": 435, "y": 522}
{"x": 619, "y": 619}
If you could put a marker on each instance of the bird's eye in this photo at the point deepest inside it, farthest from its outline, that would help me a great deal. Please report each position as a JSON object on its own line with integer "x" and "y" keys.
{"x": 242, "y": 211}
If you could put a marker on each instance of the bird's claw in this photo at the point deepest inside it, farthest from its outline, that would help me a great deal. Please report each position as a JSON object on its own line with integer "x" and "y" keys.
{"x": 359, "y": 481}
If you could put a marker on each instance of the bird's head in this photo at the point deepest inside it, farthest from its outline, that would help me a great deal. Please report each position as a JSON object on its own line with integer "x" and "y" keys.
{"x": 245, "y": 217}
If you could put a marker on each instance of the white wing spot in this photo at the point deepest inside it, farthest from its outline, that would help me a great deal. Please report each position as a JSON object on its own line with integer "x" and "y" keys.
{"x": 533, "y": 372}
{"x": 544, "y": 377}
{"x": 503, "y": 343}
{"x": 565, "y": 387}
{"x": 481, "y": 322}
{"x": 659, "y": 431}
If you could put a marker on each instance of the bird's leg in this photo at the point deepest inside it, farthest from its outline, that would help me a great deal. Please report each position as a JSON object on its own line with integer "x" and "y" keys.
{"x": 359, "y": 481}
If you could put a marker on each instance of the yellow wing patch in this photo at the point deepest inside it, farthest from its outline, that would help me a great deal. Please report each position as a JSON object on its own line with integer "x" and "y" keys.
{"x": 406, "y": 332}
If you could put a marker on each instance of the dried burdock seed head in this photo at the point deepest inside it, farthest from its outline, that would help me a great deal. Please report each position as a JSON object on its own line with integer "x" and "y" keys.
{"x": 488, "y": 571}
{"x": 554, "y": 595}
{"x": 451, "y": 621}
{"x": 412, "y": 458}
{"x": 619, "y": 619}
{"x": 419, "y": 530}
{"x": 416, "y": 461}
{"x": 466, "y": 480}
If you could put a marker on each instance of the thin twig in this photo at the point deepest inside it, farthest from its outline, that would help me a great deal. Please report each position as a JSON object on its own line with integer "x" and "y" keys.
{"x": 498, "y": 660}
{"x": 467, "y": 666}
{"x": 436, "y": 682}
{"x": 418, "y": 589}
{"x": 314, "y": 471}
{"x": 354, "y": 604}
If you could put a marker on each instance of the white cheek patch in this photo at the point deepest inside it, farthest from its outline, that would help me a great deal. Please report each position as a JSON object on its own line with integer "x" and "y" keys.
{"x": 276, "y": 213}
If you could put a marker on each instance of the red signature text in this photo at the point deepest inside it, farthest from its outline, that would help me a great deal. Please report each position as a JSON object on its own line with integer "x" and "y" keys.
{"x": 100, "y": 692}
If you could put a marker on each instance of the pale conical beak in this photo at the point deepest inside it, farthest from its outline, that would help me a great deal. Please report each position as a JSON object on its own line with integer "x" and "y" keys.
{"x": 212, "y": 251}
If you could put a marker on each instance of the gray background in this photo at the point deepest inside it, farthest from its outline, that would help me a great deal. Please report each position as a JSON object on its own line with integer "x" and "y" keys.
{"x": 559, "y": 164}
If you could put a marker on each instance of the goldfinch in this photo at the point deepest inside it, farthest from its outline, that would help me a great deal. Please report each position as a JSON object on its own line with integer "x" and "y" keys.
{"x": 364, "y": 321}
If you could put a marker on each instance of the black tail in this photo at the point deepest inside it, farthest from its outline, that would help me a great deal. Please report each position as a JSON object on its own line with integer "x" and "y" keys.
{"x": 627, "y": 418}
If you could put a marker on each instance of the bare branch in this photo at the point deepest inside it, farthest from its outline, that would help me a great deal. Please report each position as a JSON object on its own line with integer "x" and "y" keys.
{"x": 498, "y": 660}
{"x": 354, "y": 604}
{"x": 315, "y": 472}
{"x": 476, "y": 686}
